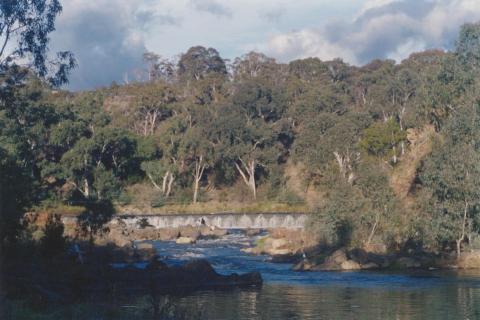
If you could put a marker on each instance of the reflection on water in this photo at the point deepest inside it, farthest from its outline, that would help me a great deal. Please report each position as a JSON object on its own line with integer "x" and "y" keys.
{"x": 324, "y": 295}
{"x": 277, "y": 301}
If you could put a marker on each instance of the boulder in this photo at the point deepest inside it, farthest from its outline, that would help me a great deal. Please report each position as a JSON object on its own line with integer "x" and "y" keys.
{"x": 334, "y": 261}
{"x": 369, "y": 266}
{"x": 276, "y": 244}
{"x": 185, "y": 240}
{"x": 279, "y": 252}
{"x": 120, "y": 241}
{"x": 189, "y": 232}
{"x": 144, "y": 245}
{"x": 249, "y": 250}
{"x": 338, "y": 257}
{"x": 407, "y": 263}
{"x": 167, "y": 234}
{"x": 359, "y": 255}
{"x": 253, "y": 232}
{"x": 212, "y": 232}
{"x": 350, "y": 265}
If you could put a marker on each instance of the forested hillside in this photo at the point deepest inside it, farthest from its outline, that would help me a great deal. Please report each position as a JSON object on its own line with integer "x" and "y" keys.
{"x": 383, "y": 153}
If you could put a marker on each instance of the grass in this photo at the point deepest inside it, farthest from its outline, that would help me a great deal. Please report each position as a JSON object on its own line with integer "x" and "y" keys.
{"x": 211, "y": 207}
{"x": 60, "y": 208}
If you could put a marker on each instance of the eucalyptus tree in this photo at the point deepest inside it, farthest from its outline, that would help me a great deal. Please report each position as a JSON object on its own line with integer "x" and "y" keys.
{"x": 25, "y": 26}
{"x": 451, "y": 176}
{"x": 317, "y": 147}
{"x": 198, "y": 62}
{"x": 253, "y": 65}
{"x": 467, "y": 49}
{"x": 95, "y": 165}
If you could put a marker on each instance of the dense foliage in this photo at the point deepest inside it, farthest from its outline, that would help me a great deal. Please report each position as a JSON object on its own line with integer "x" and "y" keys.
{"x": 203, "y": 130}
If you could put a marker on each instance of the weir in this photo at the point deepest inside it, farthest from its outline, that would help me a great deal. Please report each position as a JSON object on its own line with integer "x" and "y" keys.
{"x": 224, "y": 220}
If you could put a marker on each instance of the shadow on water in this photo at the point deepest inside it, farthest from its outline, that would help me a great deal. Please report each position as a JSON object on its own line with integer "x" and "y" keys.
{"x": 276, "y": 301}
{"x": 287, "y": 294}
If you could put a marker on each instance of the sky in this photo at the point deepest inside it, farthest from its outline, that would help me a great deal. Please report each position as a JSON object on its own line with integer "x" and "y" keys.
{"x": 109, "y": 37}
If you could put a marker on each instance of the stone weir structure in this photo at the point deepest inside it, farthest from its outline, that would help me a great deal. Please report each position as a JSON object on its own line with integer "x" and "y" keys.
{"x": 223, "y": 220}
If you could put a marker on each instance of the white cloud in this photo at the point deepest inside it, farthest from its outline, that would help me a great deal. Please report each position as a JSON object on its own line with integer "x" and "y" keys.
{"x": 106, "y": 36}
{"x": 383, "y": 29}
{"x": 211, "y": 6}
{"x": 109, "y": 36}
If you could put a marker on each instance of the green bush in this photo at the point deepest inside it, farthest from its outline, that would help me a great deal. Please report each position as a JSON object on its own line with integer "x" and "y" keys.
{"x": 158, "y": 201}
{"x": 125, "y": 198}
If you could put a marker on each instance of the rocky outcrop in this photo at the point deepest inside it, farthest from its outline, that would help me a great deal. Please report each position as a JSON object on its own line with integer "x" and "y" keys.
{"x": 185, "y": 240}
{"x": 359, "y": 259}
{"x": 122, "y": 235}
{"x": 338, "y": 260}
{"x": 195, "y": 274}
{"x": 284, "y": 245}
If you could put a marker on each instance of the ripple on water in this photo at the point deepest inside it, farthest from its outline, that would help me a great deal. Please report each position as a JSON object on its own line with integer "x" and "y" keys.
{"x": 324, "y": 295}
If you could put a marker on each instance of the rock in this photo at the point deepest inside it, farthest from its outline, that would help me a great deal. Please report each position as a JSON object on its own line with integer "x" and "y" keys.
{"x": 358, "y": 255}
{"x": 253, "y": 232}
{"x": 249, "y": 250}
{"x": 285, "y": 258}
{"x": 383, "y": 261}
{"x": 337, "y": 257}
{"x": 369, "y": 266}
{"x": 279, "y": 252}
{"x": 201, "y": 267}
{"x": 334, "y": 261}
{"x": 190, "y": 232}
{"x": 185, "y": 240}
{"x": 350, "y": 265}
{"x": 277, "y": 243}
{"x": 144, "y": 245}
{"x": 167, "y": 234}
{"x": 121, "y": 241}
{"x": 199, "y": 273}
{"x": 407, "y": 262}
{"x": 303, "y": 266}
{"x": 212, "y": 232}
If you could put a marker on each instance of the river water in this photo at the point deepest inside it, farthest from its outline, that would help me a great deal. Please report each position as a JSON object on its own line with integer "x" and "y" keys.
{"x": 287, "y": 294}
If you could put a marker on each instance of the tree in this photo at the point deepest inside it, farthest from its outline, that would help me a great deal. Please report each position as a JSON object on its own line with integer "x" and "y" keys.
{"x": 467, "y": 48}
{"x": 317, "y": 144}
{"x": 94, "y": 166}
{"x": 382, "y": 139}
{"x": 246, "y": 143}
{"x": 28, "y": 23}
{"x": 158, "y": 67}
{"x": 452, "y": 175}
{"x": 15, "y": 187}
{"x": 199, "y": 61}
{"x": 152, "y": 107}
{"x": 253, "y": 65}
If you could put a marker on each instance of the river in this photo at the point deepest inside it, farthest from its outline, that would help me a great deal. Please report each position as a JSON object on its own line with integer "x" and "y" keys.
{"x": 287, "y": 294}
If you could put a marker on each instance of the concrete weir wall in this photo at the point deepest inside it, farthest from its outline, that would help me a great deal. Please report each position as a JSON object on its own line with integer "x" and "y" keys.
{"x": 225, "y": 220}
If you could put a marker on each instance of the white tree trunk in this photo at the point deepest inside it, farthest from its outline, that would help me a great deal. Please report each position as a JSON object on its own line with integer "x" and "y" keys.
{"x": 170, "y": 183}
{"x": 462, "y": 235}
{"x": 153, "y": 182}
{"x": 248, "y": 175}
{"x": 197, "y": 177}
{"x": 86, "y": 188}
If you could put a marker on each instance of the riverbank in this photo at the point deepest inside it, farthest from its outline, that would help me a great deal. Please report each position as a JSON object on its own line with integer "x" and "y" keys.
{"x": 302, "y": 250}
{"x": 85, "y": 273}
{"x": 297, "y": 246}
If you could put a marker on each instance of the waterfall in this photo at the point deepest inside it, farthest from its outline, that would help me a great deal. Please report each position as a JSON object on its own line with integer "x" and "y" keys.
{"x": 223, "y": 221}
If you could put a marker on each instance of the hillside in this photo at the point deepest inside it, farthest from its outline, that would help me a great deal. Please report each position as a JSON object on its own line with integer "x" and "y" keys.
{"x": 383, "y": 153}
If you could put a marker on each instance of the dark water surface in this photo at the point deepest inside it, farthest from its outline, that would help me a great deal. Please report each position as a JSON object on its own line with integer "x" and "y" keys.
{"x": 323, "y": 295}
